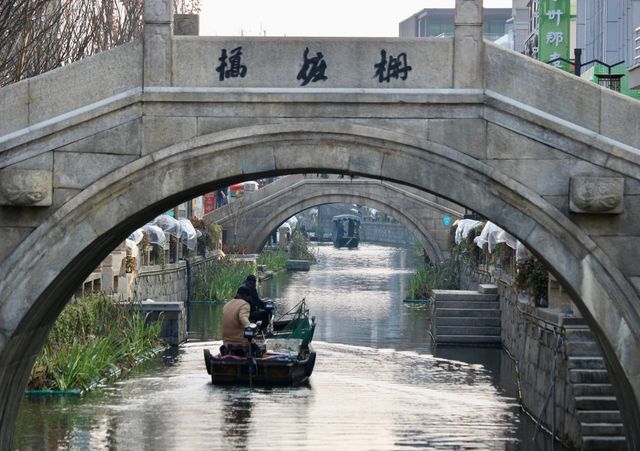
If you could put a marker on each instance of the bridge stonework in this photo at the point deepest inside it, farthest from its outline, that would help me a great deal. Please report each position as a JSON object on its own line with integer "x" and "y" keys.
{"x": 92, "y": 150}
{"x": 250, "y": 220}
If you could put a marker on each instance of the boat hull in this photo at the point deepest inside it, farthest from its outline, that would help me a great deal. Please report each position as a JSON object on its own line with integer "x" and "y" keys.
{"x": 259, "y": 371}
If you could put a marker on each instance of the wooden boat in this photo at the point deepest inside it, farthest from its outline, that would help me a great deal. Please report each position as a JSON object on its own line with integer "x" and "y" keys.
{"x": 283, "y": 356}
{"x": 346, "y": 231}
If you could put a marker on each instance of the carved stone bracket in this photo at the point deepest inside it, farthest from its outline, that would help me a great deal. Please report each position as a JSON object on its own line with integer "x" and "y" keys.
{"x": 602, "y": 195}
{"x": 26, "y": 188}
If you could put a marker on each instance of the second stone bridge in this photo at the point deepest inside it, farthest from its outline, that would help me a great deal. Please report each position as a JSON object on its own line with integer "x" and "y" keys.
{"x": 250, "y": 220}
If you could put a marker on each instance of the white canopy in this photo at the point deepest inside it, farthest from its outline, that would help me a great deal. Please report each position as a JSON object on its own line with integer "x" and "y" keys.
{"x": 464, "y": 226}
{"x": 155, "y": 234}
{"x": 168, "y": 224}
{"x": 136, "y": 236}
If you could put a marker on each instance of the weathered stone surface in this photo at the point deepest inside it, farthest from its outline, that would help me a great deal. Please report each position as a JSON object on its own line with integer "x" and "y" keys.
{"x": 547, "y": 177}
{"x": 276, "y": 62}
{"x": 33, "y": 217}
{"x": 123, "y": 139}
{"x": 11, "y": 238}
{"x": 468, "y": 12}
{"x": 14, "y": 113}
{"x": 186, "y": 24}
{"x": 157, "y": 55}
{"x": 504, "y": 144}
{"x": 514, "y": 75}
{"x": 617, "y": 110}
{"x": 42, "y": 162}
{"x": 79, "y": 170}
{"x": 596, "y": 195}
{"x": 469, "y": 136}
{"x": 25, "y": 187}
{"x": 468, "y": 57}
{"x": 623, "y": 251}
{"x": 105, "y": 74}
{"x": 160, "y": 132}
{"x": 157, "y": 11}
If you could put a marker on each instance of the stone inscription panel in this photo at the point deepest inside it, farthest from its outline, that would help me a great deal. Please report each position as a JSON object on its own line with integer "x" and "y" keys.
{"x": 312, "y": 62}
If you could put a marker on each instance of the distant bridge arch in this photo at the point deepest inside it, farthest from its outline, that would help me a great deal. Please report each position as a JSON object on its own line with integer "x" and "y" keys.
{"x": 250, "y": 220}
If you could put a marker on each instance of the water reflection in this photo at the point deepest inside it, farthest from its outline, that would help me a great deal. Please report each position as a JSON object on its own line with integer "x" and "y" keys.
{"x": 378, "y": 384}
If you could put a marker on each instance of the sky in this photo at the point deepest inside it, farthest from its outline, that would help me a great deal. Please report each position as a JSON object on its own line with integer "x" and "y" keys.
{"x": 374, "y": 18}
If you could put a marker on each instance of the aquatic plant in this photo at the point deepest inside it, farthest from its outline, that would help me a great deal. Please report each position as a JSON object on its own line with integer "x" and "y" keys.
{"x": 273, "y": 260}
{"x": 440, "y": 276}
{"x": 299, "y": 247}
{"x": 92, "y": 336}
{"x": 219, "y": 279}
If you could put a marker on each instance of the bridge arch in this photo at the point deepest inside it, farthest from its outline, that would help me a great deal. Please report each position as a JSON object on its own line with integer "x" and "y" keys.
{"x": 45, "y": 269}
{"x": 258, "y": 213}
{"x": 432, "y": 250}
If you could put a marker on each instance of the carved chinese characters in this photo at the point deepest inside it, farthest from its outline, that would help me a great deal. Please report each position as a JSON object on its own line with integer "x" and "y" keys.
{"x": 315, "y": 66}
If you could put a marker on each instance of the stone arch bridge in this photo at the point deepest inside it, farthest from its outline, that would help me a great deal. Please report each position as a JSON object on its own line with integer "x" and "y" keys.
{"x": 251, "y": 219}
{"x": 92, "y": 150}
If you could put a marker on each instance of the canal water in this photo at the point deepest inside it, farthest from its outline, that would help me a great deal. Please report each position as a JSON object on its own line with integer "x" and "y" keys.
{"x": 378, "y": 383}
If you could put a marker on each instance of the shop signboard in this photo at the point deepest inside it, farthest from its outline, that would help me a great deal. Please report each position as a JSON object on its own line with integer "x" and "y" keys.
{"x": 553, "y": 34}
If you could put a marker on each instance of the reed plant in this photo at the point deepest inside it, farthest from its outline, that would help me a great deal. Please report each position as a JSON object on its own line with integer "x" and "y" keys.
{"x": 299, "y": 247}
{"x": 273, "y": 260}
{"x": 92, "y": 336}
{"x": 220, "y": 279}
{"x": 441, "y": 276}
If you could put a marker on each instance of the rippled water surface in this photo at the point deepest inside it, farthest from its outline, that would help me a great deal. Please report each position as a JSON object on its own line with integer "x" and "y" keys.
{"x": 377, "y": 383}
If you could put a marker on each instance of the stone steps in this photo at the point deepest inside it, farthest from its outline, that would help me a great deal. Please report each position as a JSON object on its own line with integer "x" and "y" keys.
{"x": 469, "y": 339}
{"x": 596, "y": 403}
{"x": 582, "y": 348}
{"x": 462, "y": 295}
{"x": 466, "y": 313}
{"x": 593, "y": 390}
{"x": 600, "y": 443}
{"x": 599, "y": 416}
{"x": 467, "y": 330}
{"x": 466, "y": 305}
{"x": 467, "y": 318}
{"x": 476, "y": 321}
{"x": 600, "y": 429}
{"x": 586, "y": 362}
{"x": 588, "y": 376}
{"x": 596, "y": 406}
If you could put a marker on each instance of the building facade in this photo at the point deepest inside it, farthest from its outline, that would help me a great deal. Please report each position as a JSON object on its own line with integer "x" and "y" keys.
{"x": 438, "y": 22}
{"x": 605, "y": 30}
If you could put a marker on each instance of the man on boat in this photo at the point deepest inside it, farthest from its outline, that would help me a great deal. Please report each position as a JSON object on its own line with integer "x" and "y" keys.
{"x": 258, "y": 306}
{"x": 235, "y": 317}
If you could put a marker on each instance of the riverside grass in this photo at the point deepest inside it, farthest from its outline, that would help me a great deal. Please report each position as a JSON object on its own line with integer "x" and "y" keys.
{"x": 442, "y": 276}
{"x": 92, "y": 336}
{"x": 273, "y": 260}
{"x": 220, "y": 279}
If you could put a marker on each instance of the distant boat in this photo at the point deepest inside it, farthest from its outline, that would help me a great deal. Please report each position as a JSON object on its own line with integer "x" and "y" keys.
{"x": 346, "y": 231}
{"x": 285, "y": 356}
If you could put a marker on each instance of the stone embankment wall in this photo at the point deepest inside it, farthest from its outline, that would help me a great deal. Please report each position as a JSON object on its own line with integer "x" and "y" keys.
{"x": 530, "y": 336}
{"x": 386, "y": 233}
{"x": 167, "y": 283}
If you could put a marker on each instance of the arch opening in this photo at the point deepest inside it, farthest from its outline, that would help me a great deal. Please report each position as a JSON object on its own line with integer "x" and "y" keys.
{"x": 89, "y": 226}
